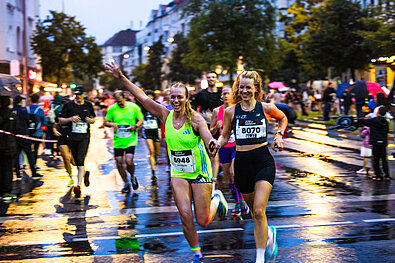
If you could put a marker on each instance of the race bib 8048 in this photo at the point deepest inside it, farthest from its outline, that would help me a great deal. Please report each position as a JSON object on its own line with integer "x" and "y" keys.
{"x": 183, "y": 161}
{"x": 246, "y": 129}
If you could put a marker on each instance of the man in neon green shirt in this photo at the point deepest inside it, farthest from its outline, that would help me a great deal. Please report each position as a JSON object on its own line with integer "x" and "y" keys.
{"x": 125, "y": 117}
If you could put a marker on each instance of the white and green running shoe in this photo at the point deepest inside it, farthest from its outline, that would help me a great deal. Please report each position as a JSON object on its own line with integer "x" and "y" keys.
{"x": 271, "y": 244}
{"x": 222, "y": 208}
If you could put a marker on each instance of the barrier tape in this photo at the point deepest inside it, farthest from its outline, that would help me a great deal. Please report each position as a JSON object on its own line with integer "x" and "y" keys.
{"x": 26, "y": 137}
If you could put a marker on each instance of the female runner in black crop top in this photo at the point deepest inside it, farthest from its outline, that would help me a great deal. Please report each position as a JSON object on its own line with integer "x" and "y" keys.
{"x": 254, "y": 165}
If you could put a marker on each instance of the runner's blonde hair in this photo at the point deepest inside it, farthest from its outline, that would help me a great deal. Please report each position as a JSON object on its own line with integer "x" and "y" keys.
{"x": 188, "y": 109}
{"x": 235, "y": 95}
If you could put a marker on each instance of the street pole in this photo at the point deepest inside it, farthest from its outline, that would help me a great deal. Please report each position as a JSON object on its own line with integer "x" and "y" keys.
{"x": 25, "y": 89}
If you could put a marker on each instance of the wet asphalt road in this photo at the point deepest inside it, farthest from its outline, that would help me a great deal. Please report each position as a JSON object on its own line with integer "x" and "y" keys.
{"x": 323, "y": 210}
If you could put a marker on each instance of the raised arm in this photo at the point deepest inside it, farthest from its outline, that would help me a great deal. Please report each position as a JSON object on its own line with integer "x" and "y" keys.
{"x": 154, "y": 108}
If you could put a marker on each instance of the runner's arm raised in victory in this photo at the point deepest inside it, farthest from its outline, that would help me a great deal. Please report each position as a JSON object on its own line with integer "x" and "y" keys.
{"x": 153, "y": 107}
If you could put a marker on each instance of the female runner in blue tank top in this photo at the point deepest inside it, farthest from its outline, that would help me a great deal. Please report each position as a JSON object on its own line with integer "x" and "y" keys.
{"x": 254, "y": 168}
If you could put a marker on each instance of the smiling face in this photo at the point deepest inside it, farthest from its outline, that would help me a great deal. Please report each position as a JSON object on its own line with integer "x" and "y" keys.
{"x": 247, "y": 89}
{"x": 211, "y": 79}
{"x": 178, "y": 98}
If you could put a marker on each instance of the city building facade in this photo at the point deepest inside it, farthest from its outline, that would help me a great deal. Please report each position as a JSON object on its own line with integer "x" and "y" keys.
{"x": 12, "y": 34}
{"x": 120, "y": 48}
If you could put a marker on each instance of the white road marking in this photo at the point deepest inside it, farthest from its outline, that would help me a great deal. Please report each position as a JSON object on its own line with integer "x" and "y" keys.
{"x": 41, "y": 242}
{"x": 169, "y": 209}
{"x": 331, "y": 223}
{"x": 379, "y": 220}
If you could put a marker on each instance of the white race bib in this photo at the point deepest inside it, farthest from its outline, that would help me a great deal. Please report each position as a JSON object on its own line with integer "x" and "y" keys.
{"x": 123, "y": 132}
{"x": 150, "y": 124}
{"x": 79, "y": 127}
{"x": 183, "y": 161}
{"x": 246, "y": 129}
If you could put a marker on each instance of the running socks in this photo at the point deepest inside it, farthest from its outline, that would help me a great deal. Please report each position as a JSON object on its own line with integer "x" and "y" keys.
{"x": 235, "y": 193}
{"x": 260, "y": 255}
{"x": 197, "y": 251}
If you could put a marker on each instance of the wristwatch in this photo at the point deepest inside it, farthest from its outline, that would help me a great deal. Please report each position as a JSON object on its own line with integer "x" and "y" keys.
{"x": 280, "y": 132}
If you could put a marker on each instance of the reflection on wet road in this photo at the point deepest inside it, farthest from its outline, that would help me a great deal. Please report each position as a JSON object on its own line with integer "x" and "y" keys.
{"x": 323, "y": 210}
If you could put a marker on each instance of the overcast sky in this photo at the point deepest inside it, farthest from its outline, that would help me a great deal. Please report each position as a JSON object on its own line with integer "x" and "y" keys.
{"x": 103, "y": 18}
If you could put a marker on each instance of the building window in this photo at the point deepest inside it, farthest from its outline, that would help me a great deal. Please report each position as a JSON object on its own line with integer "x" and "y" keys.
{"x": 18, "y": 41}
{"x": 116, "y": 49}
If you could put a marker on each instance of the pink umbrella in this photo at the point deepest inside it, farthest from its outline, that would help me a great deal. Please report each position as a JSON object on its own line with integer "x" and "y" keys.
{"x": 276, "y": 85}
{"x": 374, "y": 88}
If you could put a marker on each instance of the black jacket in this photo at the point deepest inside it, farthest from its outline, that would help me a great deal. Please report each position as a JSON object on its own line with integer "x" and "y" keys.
{"x": 8, "y": 122}
{"x": 379, "y": 129}
{"x": 327, "y": 97}
{"x": 23, "y": 117}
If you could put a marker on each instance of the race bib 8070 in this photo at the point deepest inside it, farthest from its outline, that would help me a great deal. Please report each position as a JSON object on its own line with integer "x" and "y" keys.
{"x": 246, "y": 129}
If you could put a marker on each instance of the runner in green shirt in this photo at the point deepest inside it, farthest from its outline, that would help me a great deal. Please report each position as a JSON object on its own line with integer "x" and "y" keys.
{"x": 125, "y": 117}
{"x": 191, "y": 177}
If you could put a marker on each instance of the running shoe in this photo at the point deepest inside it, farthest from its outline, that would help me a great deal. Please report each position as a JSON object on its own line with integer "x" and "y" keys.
{"x": 8, "y": 197}
{"x": 37, "y": 176}
{"x": 86, "y": 178}
{"x": 245, "y": 210}
{"x": 362, "y": 171}
{"x": 135, "y": 183}
{"x": 126, "y": 188}
{"x": 271, "y": 244}
{"x": 222, "y": 208}
{"x": 77, "y": 191}
{"x": 197, "y": 259}
{"x": 71, "y": 183}
{"x": 153, "y": 177}
{"x": 237, "y": 210}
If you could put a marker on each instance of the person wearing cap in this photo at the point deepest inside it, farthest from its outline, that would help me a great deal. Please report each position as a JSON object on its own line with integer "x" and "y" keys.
{"x": 79, "y": 115}
{"x": 23, "y": 144}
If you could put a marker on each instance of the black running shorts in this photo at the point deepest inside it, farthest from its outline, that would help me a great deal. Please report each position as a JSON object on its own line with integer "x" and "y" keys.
{"x": 253, "y": 166}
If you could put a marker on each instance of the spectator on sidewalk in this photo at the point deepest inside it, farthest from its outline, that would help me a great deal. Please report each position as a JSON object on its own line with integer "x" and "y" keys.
{"x": 24, "y": 145}
{"x": 379, "y": 140}
{"x": 346, "y": 100}
{"x": 9, "y": 122}
{"x": 327, "y": 98}
{"x": 366, "y": 150}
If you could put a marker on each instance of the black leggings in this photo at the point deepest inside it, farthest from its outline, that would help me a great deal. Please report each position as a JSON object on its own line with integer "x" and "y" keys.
{"x": 253, "y": 166}
{"x": 79, "y": 150}
{"x": 380, "y": 155}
